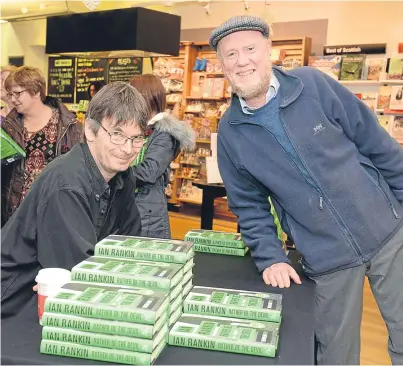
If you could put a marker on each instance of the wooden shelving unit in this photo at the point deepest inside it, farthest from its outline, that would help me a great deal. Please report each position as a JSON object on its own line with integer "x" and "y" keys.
{"x": 297, "y": 48}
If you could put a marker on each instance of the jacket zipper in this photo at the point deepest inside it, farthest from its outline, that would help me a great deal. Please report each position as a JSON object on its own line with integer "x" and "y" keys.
{"x": 321, "y": 195}
{"x": 379, "y": 187}
{"x": 319, "y": 192}
{"x": 63, "y": 134}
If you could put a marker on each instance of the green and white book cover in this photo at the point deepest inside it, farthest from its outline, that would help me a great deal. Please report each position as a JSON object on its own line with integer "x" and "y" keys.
{"x": 10, "y": 150}
{"x": 215, "y": 238}
{"x": 148, "y": 249}
{"x": 187, "y": 276}
{"x": 145, "y": 274}
{"x": 110, "y": 302}
{"x": 189, "y": 265}
{"x": 177, "y": 303}
{"x": 175, "y": 316}
{"x": 187, "y": 288}
{"x": 240, "y": 252}
{"x": 177, "y": 291}
{"x": 225, "y": 334}
{"x": 99, "y": 354}
{"x": 66, "y": 335}
{"x": 103, "y": 326}
{"x": 234, "y": 304}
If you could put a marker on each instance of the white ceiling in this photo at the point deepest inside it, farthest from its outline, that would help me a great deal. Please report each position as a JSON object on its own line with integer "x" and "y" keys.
{"x": 12, "y": 9}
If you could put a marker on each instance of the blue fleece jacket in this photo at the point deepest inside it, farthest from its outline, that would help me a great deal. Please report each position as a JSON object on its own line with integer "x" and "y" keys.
{"x": 350, "y": 205}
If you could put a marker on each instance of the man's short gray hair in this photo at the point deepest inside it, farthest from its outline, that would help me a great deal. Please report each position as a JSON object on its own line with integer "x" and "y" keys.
{"x": 119, "y": 102}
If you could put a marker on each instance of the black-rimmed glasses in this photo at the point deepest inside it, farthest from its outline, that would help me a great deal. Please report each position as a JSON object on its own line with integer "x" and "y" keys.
{"x": 119, "y": 138}
{"x": 16, "y": 94}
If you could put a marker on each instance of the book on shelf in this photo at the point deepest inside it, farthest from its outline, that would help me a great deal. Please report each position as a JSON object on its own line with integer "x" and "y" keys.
{"x": 214, "y": 66}
{"x": 330, "y": 65}
{"x": 374, "y": 67}
{"x": 351, "y": 67}
{"x": 10, "y": 149}
{"x": 396, "y": 99}
{"x": 204, "y": 126}
{"x": 370, "y": 99}
{"x": 225, "y": 334}
{"x": 277, "y": 55}
{"x": 397, "y": 128}
{"x": 385, "y": 121}
{"x": 384, "y": 96}
{"x": 234, "y": 304}
{"x": 395, "y": 69}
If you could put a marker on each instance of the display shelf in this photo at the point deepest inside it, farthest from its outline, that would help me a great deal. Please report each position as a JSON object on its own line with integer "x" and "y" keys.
{"x": 359, "y": 82}
{"x": 391, "y": 82}
{"x": 190, "y": 201}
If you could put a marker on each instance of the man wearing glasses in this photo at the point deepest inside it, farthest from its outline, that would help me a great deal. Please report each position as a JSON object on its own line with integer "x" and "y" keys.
{"x": 80, "y": 198}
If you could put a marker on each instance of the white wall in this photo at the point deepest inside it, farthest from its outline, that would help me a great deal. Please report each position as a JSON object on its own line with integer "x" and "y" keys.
{"x": 349, "y": 22}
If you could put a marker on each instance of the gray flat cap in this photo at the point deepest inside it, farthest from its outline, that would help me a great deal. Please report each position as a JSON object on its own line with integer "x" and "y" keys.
{"x": 237, "y": 24}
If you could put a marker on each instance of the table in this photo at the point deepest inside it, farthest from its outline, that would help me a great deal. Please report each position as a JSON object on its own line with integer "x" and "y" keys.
{"x": 210, "y": 193}
{"x": 21, "y": 335}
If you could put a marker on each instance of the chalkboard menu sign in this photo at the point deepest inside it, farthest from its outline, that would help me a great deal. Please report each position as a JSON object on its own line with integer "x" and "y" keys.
{"x": 61, "y": 78}
{"x": 88, "y": 71}
{"x": 122, "y": 69}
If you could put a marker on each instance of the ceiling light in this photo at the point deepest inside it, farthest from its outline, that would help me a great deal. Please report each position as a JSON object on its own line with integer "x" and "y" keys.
{"x": 42, "y": 6}
{"x": 24, "y": 10}
{"x": 91, "y": 4}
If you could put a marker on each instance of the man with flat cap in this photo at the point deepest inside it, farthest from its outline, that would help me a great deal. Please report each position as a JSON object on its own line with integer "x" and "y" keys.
{"x": 335, "y": 177}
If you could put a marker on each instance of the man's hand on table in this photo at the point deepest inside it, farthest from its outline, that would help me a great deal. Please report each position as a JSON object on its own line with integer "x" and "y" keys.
{"x": 279, "y": 274}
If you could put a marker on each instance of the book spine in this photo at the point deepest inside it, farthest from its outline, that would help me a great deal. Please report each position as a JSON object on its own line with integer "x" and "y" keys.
{"x": 140, "y": 254}
{"x": 192, "y": 307}
{"x": 224, "y": 345}
{"x": 198, "y": 240}
{"x": 94, "y": 353}
{"x": 220, "y": 250}
{"x": 98, "y": 325}
{"x": 97, "y": 340}
{"x": 54, "y": 305}
{"x": 121, "y": 280}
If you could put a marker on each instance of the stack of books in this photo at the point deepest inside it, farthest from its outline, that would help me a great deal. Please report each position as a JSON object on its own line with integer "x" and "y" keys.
{"x": 9, "y": 149}
{"x": 229, "y": 320}
{"x": 209, "y": 241}
{"x": 106, "y": 323}
{"x": 149, "y": 263}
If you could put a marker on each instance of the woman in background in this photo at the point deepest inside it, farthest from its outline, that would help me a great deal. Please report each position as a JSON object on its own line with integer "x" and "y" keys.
{"x": 41, "y": 124}
{"x": 8, "y": 106}
{"x": 94, "y": 88}
{"x": 166, "y": 137}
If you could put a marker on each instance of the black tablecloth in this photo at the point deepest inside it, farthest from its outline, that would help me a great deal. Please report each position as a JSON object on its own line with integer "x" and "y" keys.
{"x": 21, "y": 335}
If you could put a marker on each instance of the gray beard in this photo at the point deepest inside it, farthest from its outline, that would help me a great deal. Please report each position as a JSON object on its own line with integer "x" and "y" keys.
{"x": 252, "y": 92}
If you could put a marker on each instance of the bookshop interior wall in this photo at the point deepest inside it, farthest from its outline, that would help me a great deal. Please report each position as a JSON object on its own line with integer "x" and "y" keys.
{"x": 304, "y": 33}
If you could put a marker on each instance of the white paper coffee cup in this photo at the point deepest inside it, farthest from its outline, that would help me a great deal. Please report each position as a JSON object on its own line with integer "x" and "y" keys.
{"x": 49, "y": 281}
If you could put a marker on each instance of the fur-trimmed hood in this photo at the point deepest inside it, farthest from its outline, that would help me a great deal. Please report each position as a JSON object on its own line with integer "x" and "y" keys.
{"x": 180, "y": 130}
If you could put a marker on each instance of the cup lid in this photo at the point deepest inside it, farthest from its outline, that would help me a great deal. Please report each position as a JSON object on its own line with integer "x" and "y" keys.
{"x": 53, "y": 276}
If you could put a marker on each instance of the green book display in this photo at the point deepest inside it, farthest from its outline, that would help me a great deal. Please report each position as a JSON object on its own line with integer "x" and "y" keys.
{"x": 148, "y": 249}
{"x": 351, "y": 67}
{"x": 145, "y": 274}
{"x": 225, "y": 334}
{"x": 99, "y": 354}
{"x": 220, "y": 250}
{"x": 234, "y": 304}
{"x": 10, "y": 150}
{"x": 215, "y": 238}
{"x": 66, "y": 335}
{"x": 127, "y": 329}
{"x": 186, "y": 277}
{"x": 110, "y": 302}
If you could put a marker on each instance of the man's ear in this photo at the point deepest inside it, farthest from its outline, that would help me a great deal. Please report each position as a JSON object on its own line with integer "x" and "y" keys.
{"x": 88, "y": 132}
